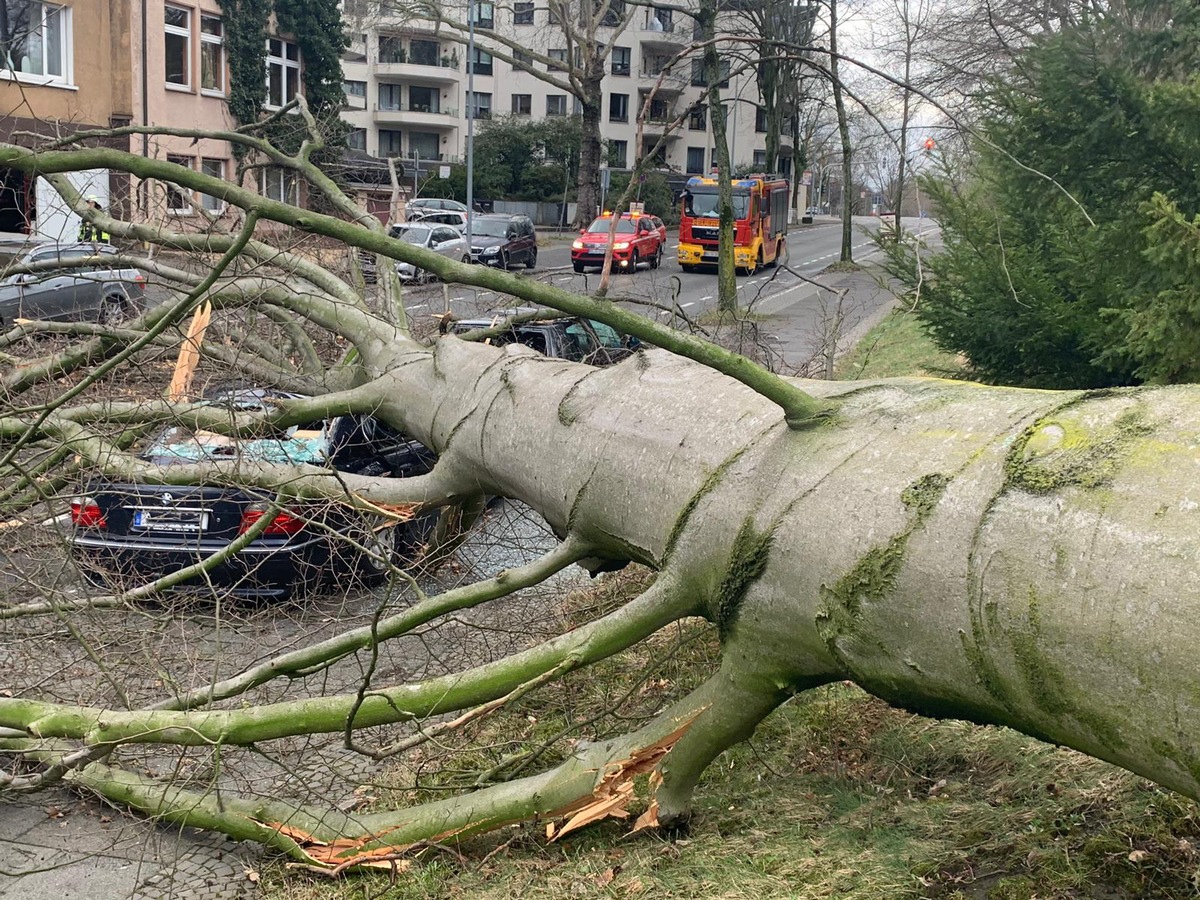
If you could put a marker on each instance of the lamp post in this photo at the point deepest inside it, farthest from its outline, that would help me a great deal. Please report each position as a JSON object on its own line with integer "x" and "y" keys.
{"x": 471, "y": 106}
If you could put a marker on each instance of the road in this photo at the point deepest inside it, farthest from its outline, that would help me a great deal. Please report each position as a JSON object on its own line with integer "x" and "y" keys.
{"x": 769, "y": 293}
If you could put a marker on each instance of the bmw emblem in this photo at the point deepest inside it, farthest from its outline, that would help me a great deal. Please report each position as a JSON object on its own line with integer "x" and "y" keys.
{"x": 167, "y": 498}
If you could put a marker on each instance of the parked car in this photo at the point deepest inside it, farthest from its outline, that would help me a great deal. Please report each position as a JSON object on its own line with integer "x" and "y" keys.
{"x": 572, "y": 338}
{"x": 441, "y": 239}
{"x": 97, "y": 293}
{"x": 431, "y": 203}
{"x": 129, "y": 534}
{"x": 639, "y": 238}
{"x": 500, "y": 240}
{"x": 450, "y": 217}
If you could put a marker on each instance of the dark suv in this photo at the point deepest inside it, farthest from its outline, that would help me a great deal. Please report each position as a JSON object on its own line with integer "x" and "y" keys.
{"x": 498, "y": 239}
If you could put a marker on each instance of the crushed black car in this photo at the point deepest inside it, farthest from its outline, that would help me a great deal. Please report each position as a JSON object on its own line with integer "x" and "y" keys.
{"x": 126, "y": 535}
{"x": 573, "y": 338}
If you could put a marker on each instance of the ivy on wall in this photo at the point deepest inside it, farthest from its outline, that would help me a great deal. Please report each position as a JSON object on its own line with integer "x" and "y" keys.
{"x": 316, "y": 26}
{"x": 246, "y": 45}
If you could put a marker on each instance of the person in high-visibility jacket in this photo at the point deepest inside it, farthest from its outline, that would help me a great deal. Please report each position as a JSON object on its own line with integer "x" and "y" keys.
{"x": 90, "y": 233}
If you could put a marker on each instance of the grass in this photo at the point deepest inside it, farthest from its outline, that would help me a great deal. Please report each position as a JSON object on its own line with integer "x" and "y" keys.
{"x": 896, "y": 347}
{"x": 837, "y": 795}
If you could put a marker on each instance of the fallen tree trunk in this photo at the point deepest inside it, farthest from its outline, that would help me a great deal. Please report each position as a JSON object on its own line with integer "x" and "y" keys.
{"x": 1004, "y": 556}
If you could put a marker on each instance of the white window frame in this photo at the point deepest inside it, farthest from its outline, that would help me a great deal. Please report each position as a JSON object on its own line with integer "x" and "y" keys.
{"x": 217, "y": 40}
{"x": 186, "y": 196}
{"x": 218, "y": 205}
{"x": 186, "y": 34}
{"x": 284, "y": 180}
{"x": 284, "y": 63}
{"x": 66, "y": 58}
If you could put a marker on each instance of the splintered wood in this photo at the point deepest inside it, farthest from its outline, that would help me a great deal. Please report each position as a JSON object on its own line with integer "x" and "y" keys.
{"x": 615, "y": 790}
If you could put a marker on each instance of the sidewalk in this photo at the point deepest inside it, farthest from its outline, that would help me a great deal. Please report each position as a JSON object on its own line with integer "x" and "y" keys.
{"x": 58, "y": 846}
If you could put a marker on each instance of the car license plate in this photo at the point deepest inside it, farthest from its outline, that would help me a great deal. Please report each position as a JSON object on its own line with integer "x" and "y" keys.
{"x": 710, "y": 255}
{"x": 170, "y": 521}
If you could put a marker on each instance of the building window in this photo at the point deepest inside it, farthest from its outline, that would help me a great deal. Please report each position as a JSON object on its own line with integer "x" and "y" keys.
{"x": 424, "y": 145}
{"x": 481, "y": 63}
{"x": 621, "y": 59}
{"x": 698, "y": 119}
{"x": 178, "y": 45}
{"x": 355, "y": 89}
{"x": 391, "y": 50}
{"x": 713, "y": 157}
{"x": 214, "y": 168}
{"x": 423, "y": 53}
{"x": 664, "y": 17}
{"x": 479, "y": 106}
{"x": 389, "y": 143}
{"x": 618, "y": 151}
{"x": 618, "y": 107}
{"x": 760, "y": 120}
{"x": 695, "y": 160}
{"x": 523, "y": 12}
{"x": 424, "y": 99}
{"x": 212, "y": 55}
{"x": 484, "y": 15}
{"x": 35, "y": 40}
{"x": 556, "y": 105}
{"x": 760, "y": 158}
{"x": 613, "y": 14}
{"x": 357, "y": 139}
{"x": 698, "y": 73}
{"x": 279, "y": 184}
{"x": 522, "y": 104}
{"x": 522, "y": 60}
{"x": 389, "y": 97}
{"x": 283, "y": 72}
{"x": 179, "y": 200}
{"x": 558, "y": 60}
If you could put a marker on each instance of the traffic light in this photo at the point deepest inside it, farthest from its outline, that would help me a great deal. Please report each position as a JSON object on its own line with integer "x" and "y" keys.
{"x": 930, "y": 143}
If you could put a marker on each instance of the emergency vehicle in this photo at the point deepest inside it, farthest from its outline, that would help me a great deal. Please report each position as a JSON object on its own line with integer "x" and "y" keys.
{"x": 760, "y": 212}
{"x": 640, "y": 238}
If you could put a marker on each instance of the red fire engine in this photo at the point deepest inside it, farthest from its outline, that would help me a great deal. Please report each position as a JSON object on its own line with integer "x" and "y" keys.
{"x": 760, "y": 212}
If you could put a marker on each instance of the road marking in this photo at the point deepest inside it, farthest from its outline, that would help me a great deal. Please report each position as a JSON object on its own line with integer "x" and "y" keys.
{"x": 705, "y": 298}
{"x": 686, "y": 305}
{"x": 418, "y": 306}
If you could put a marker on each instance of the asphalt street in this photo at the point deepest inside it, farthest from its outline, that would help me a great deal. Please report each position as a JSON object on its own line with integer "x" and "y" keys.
{"x": 811, "y": 248}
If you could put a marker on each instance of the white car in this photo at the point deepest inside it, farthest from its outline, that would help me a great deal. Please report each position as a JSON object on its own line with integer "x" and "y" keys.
{"x": 442, "y": 239}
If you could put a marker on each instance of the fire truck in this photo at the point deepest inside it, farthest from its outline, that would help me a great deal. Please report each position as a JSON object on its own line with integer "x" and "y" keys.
{"x": 760, "y": 212}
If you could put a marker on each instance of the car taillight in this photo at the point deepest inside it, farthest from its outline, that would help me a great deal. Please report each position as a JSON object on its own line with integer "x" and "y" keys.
{"x": 283, "y": 523}
{"x": 140, "y": 279}
{"x": 86, "y": 513}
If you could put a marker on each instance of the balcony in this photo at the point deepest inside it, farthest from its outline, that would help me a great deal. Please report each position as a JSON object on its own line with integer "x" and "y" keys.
{"x": 673, "y": 83}
{"x": 439, "y": 119}
{"x": 442, "y": 71}
{"x": 659, "y": 35}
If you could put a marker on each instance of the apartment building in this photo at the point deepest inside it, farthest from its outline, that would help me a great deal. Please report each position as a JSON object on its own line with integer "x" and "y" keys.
{"x": 81, "y": 64}
{"x": 64, "y": 68}
{"x": 407, "y": 96}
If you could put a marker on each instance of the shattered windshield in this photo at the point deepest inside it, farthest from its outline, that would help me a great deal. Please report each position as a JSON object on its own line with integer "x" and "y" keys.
{"x": 183, "y": 444}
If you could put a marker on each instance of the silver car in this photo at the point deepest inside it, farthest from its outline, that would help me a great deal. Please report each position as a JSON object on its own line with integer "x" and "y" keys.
{"x": 442, "y": 239}
{"x": 96, "y": 292}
